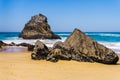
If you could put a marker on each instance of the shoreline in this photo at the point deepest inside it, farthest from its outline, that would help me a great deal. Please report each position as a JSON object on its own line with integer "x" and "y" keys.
{"x": 20, "y": 66}
{"x": 13, "y": 49}
{"x": 111, "y": 45}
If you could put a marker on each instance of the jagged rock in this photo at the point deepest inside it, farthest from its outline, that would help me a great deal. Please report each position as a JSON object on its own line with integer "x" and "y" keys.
{"x": 77, "y": 46}
{"x": 57, "y": 54}
{"x": 38, "y": 27}
{"x": 87, "y": 46}
{"x": 59, "y": 51}
{"x": 40, "y": 51}
{"x": 62, "y": 52}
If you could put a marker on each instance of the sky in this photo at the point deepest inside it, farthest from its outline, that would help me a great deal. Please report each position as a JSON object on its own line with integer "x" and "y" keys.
{"x": 63, "y": 15}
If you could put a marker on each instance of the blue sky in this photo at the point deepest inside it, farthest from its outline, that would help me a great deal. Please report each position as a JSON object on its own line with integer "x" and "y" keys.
{"x": 63, "y": 15}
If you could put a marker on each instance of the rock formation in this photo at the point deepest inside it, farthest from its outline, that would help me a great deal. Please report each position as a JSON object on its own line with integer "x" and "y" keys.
{"x": 86, "y": 45}
{"x": 59, "y": 51}
{"x": 77, "y": 46}
{"x": 40, "y": 51}
{"x": 38, "y": 27}
{"x": 62, "y": 52}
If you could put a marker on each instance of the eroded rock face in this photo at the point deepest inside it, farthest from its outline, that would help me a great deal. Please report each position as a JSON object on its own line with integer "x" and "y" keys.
{"x": 38, "y": 27}
{"x": 86, "y": 45}
{"x": 77, "y": 46}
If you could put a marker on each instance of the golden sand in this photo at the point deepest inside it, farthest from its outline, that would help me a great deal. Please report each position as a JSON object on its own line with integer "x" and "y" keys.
{"x": 19, "y": 66}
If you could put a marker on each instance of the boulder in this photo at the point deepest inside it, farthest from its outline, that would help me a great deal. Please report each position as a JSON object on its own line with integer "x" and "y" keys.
{"x": 40, "y": 51}
{"x": 59, "y": 52}
{"x": 83, "y": 44}
{"x": 77, "y": 46}
{"x": 38, "y": 27}
{"x": 62, "y": 52}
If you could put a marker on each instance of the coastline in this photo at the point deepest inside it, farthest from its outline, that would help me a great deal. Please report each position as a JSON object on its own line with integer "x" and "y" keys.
{"x": 108, "y": 39}
{"x": 20, "y": 66}
{"x": 13, "y": 49}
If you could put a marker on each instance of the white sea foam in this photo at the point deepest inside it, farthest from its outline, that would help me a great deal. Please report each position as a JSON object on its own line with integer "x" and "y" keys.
{"x": 102, "y": 34}
{"x": 115, "y": 46}
{"x": 113, "y": 35}
{"x": 48, "y": 42}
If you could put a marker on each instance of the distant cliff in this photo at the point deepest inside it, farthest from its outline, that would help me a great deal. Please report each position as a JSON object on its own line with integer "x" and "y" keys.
{"x": 38, "y": 28}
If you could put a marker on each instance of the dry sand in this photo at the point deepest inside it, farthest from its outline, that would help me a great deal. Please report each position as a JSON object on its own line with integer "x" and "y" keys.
{"x": 19, "y": 66}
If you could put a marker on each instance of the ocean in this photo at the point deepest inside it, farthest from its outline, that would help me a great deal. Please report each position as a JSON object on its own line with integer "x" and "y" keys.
{"x": 108, "y": 39}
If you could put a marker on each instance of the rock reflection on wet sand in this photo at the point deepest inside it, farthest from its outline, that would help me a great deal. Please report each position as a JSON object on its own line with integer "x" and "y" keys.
{"x": 13, "y": 49}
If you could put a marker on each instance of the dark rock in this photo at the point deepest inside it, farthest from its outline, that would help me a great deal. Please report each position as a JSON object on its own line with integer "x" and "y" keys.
{"x": 38, "y": 27}
{"x": 2, "y": 44}
{"x": 62, "y": 52}
{"x": 81, "y": 43}
{"x": 23, "y": 44}
{"x": 57, "y": 54}
{"x": 59, "y": 51}
{"x": 12, "y": 44}
{"x": 31, "y": 47}
{"x": 77, "y": 46}
{"x": 40, "y": 51}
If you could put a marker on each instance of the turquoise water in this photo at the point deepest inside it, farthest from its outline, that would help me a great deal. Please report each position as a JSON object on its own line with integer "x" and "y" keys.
{"x": 99, "y": 36}
{"x": 109, "y": 39}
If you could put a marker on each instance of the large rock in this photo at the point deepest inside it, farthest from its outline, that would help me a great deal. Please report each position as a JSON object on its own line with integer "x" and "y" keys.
{"x": 62, "y": 52}
{"x": 38, "y": 27}
{"x": 86, "y": 45}
{"x": 77, "y": 46}
{"x": 40, "y": 51}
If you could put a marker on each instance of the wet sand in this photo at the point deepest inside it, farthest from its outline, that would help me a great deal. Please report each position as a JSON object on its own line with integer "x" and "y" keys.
{"x": 19, "y": 66}
{"x": 13, "y": 49}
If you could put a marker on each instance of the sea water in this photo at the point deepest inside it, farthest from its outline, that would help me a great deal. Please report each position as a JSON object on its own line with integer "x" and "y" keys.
{"x": 108, "y": 39}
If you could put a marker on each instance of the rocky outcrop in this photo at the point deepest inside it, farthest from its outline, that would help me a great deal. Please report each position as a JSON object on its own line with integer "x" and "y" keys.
{"x": 77, "y": 46}
{"x": 62, "y": 52}
{"x": 59, "y": 51}
{"x": 40, "y": 51}
{"x": 38, "y": 27}
{"x": 86, "y": 45}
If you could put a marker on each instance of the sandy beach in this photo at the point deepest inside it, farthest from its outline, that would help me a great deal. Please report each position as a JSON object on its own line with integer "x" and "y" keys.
{"x": 19, "y": 66}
